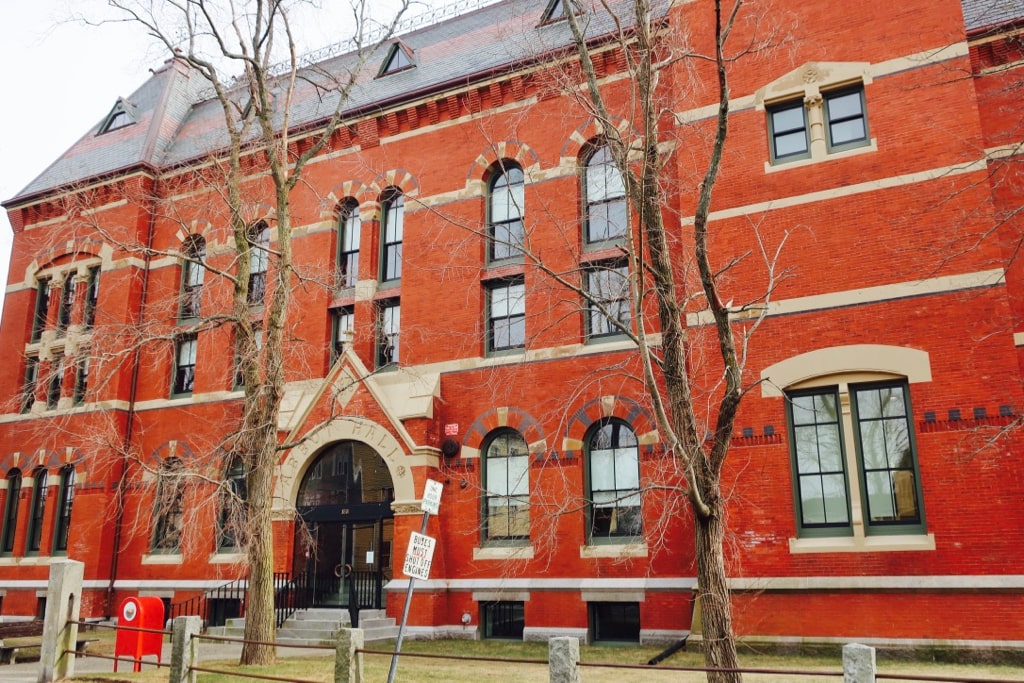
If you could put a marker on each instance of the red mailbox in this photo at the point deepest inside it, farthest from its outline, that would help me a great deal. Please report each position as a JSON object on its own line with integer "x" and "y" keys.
{"x": 139, "y": 613}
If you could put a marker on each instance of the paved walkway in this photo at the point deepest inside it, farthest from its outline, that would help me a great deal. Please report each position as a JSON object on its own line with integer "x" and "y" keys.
{"x": 28, "y": 672}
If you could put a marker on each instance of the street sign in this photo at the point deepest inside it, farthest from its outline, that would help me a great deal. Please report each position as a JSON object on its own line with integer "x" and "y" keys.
{"x": 431, "y": 496}
{"x": 419, "y": 556}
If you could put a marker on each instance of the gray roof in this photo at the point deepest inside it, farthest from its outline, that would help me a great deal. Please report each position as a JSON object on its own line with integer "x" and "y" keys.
{"x": 175, "y": 125}
{"x": 979, "y": 14}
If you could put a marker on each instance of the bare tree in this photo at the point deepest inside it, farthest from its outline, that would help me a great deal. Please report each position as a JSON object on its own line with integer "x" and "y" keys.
{"x": 696, "y": 422}
{"x": 218, "y": 40}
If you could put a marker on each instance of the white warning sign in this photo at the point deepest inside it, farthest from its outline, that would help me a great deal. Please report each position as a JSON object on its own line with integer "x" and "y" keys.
{"x": 419, "y": 556}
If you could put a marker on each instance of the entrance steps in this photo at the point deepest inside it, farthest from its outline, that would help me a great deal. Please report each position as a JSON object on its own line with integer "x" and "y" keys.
{"x": 318, "y": 626}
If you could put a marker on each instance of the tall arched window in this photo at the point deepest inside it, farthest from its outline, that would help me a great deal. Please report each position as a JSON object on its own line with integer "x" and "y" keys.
{"x": 169, "y": 509}
{"x": 35, "y": 521}
{"x": 11, "y": 511}
{"x": 193, "y": 251}
{"x": 64, "y": 505}
{"x": 613, "y": 474}
{"x": 605, "y": 194}
{"x": 392, "y": 229}
{"x": 259, "y": 257}
{"x": 232, "y": 501}
{"x": 506, "y": 504}
{"x": 349, "y": 226}
{"x": 506, "y": 210}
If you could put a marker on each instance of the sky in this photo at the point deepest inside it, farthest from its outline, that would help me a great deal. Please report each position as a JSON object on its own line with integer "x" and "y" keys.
{"x": 61, "y": 77}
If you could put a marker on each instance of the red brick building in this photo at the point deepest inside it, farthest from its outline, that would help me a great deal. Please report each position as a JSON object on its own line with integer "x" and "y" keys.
{"x": 869, "y": 205}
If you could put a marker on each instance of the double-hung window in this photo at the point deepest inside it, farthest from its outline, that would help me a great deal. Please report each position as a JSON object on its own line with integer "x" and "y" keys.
{"x": 55, "y": 382}
{"x": 343, "y": 324}
{"x": 506, "y": 212}
{"x": 35, "y": 520}
{"x": 42, "y": 309}
{"x": 605, "y": 192}
{"x": 184, "y": 363}
{"x": 259, "y": 259}
{"x": 64, "y": 505}
{"x": 193, "y": 272}
{"x": 169, "y": 509}
{"x": 613, "y": 473}
{"x": 349, "y": 227}
{"x": 389, "y": 323}
{"x": 506, "y": 315}
{"x": 393, "y": 219}
{"x": 11, "y": 511}
{"x": 608, "y": 310}
{"x": 67, "y": 302}
{"x": 840, "y": 113}
{"x": 858, "y": 466}
{"x": 92, "y": 296}
{"x": 28, "y": 389}
{"x": 506, "y": 487}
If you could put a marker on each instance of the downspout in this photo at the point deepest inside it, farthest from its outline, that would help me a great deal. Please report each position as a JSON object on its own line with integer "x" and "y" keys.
{"x": 122, "y": 481}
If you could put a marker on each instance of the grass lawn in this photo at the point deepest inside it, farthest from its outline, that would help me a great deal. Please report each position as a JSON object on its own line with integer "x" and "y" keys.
{"x": 413, "y": 669}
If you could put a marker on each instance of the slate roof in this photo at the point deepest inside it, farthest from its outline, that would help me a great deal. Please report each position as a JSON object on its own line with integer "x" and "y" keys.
{"x": 174, "y": 125}
{"x": 979, "y": 14}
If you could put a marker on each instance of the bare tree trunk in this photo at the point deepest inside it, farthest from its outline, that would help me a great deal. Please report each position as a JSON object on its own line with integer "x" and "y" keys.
{"x": 716, "y": 610}
{"x": 259, "y": 611}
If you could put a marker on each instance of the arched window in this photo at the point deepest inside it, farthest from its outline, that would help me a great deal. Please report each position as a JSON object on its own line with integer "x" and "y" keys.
{"x": 64, "y": 504}
{"x": 35, "y": 521}
{"x": 392, "y": 229}
{"x": 506, "y": 474}
{"x": 193, "y": 251}
{"x": 168, "y": 510}
{"x": 11, "y": 511}
{"x": 230, "y": 522}
{"x": 613, "y": 475}
{"x": 348, "y": 243}
{"x": 259, "y": 257}
{"x": 605, "y": 195}
{"x": 506, "y": 210}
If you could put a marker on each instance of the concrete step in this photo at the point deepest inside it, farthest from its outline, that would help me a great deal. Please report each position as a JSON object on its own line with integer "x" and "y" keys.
{"x": 319, "y": 627}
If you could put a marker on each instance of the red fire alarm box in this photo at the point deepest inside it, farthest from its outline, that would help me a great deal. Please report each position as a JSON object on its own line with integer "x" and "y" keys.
{"x": 140, "y": 630}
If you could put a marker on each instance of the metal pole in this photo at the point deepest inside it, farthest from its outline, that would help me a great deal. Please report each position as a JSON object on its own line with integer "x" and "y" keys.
{"x": 405, "y": 613}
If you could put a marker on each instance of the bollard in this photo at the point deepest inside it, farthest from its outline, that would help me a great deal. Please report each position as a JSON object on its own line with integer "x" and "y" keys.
{"x": 348, "y": 664}
{"x": 858, "y": 663}
{"x": 564, "y": 660}
{"x": 184, "y": 649}
{"x": 63, "y": 605}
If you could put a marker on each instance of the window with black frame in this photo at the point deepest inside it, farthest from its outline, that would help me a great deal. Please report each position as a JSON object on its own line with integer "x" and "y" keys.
{"x": 11, "y": 507}
{"x": 506, "y": 482}
{"x": 34, "y": 537}
{"x": 65, "y": 503}
{"x": 349, "y": 229}
{"x": 613, "y": 475}
{"x": 506, "y": 212}
{"x": 605, "y": 196}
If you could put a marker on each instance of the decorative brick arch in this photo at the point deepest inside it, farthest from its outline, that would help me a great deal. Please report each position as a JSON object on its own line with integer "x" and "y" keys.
{"x": 575, "y": 147}
{"x": 299, "y": 459}
{"x": 400, "y": 178}
{"x": 79, "y": 249}
{"x": 497, "y": 418}
{"x": 518, "y": 152}
{"x": 330, "y": 205}
{"x": 46, "y": 458}
{"x": 196, "y": 227}
{"x": 625, "y": 409}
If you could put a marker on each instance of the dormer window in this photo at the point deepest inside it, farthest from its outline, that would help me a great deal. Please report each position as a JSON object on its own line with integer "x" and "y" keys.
{"x": 123, "y": 114}
{"x": 554, "y": 12}
{"x": 399, "y": 58}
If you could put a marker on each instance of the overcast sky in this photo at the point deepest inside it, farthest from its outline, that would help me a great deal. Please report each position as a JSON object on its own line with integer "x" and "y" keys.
{"x": 62, "y": 77}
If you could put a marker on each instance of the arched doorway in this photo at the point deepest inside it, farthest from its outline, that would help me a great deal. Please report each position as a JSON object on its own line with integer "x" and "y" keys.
{"x": 343, "y": 546}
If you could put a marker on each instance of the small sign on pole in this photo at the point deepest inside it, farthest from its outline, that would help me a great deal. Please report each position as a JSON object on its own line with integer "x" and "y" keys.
{"x": 419, "y": 556}
{"x": 432, "y": 497}
{"x": 418, "y": 559}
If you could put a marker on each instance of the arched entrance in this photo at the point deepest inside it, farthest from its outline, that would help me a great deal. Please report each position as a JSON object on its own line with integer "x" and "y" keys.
{"x": 343, "y": 547}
